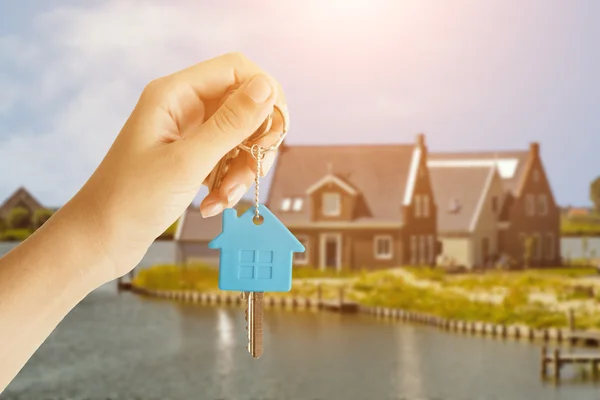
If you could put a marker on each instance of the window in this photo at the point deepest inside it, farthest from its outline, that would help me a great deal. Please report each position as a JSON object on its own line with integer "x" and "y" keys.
{"x": 425, "y": 211}
{"x": 417, "y": 206}
{"x": 454, "y": 206}
{"x": 413, "y": 250}
{"x": 431, "y": 249}
{"x": 422, "y": 250}
{"x": 495, "y": 204}
{"x": 537, "y": 246}
{"x": 383, "y": 247}
{"x": 529, "y": 205}
{"x": 297, "y": 204}
{"x": 255, "y": 264}
{"x": 285, "y": 204}
{"x": 331, "y": 204}
{"x": 550, "y": 246}
{"x": 543, "y": 204}
{"x": 302, "y": 258}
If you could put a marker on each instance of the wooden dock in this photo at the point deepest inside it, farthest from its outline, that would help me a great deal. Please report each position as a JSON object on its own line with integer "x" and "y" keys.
{"x": 342, "y": 307}
{"x": 558, "y": 359}
{"x": 584, "y": 338}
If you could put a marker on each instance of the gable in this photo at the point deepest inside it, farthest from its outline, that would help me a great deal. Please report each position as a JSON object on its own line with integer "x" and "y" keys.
{"x": 378, "y": 172}
{"x": 332, "y": 179}
{"x": 21, "y": 197}
{"x": 242, "y": 232}
{"x": 458, "y": 192}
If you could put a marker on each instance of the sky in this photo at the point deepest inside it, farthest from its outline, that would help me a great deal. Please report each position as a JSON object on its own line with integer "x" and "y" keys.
{"x": 470, "y": 74}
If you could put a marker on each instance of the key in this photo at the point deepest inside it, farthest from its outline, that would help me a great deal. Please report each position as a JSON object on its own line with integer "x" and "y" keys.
{"x": 254, "y": 322}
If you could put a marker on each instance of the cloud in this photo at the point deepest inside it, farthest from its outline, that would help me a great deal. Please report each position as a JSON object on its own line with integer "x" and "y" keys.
{"x": 80, "y": 70}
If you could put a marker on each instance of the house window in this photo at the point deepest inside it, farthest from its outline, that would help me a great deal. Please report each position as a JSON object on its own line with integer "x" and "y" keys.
{"x": 297, "y": 204}
{"x": 383, "y": 247}
{"x": 285, "y": 204}
{"x": 422, "y": 250}
{"x": 255, "y": 264}
{"x": 431, "y": 248}
{"x": 537, "y": 246}
{"x": 413, "y": 250}
{"x": 331, "y": 204}
{"x": 495, "y": 204}
{"x": 550, "y": 246}
{"x": 529, "y": 205}
{"x": 425, "y": 211}
{"x": 543, "y": 204}
{"x": 417, "y": 206}
{"x": 302, "y": 258}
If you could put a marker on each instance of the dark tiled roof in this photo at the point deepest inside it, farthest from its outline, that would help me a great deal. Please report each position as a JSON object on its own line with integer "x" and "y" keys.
{"x": 502, "y": 159}
{"x": 464, "y": 186}
{"x": 21, "y": 195}
{"x": 378, "y": 172}
{"x": 193, "y": 228}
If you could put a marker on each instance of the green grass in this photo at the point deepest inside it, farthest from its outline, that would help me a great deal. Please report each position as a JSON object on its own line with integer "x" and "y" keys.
{"x": 307, "y": 272}
{"x": 579, "y": 226}
{"x": 198, "y": 277}
{"x": 15, "y": 234}
{"x": 391, "y": 291}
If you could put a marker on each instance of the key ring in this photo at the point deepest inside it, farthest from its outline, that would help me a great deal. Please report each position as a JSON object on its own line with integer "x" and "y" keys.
{"x": 269, "y": 123}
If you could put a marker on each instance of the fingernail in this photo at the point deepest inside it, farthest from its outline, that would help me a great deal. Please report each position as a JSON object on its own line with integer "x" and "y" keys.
{"x": 211, "y": 209}
{"x": 259, "y": 89}
{"x": 235, "y": 194}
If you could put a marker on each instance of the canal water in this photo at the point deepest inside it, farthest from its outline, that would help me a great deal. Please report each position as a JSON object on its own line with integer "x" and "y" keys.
{"x": 120, "y": 346}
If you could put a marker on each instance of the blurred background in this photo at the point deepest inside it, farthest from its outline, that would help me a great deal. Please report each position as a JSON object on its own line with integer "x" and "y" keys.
{"x": 439, "y": 170}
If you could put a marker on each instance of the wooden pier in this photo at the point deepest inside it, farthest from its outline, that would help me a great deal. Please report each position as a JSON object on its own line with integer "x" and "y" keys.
{"x": 583, "y": 338}
{"x": 557, "y": 359}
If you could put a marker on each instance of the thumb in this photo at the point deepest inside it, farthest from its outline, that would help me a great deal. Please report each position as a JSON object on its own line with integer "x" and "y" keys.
{"x": 239, "y": 116}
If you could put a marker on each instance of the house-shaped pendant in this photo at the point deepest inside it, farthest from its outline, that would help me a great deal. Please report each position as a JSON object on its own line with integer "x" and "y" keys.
{"x": 255, "y": 257}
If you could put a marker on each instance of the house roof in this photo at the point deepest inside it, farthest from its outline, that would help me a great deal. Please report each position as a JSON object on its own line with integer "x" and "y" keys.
{"x": 511, "y": 165}
{"x": 192, "y": 227}
{"x": 463, "y": 186}
{"x": 20, "y": 196}
{"x": 379, "y": 173}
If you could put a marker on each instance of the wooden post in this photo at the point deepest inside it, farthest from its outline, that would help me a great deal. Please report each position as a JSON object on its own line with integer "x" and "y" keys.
{"x": 557, "y": 365}
{"x": 543, "y": 363}
{"x": 571, "y": 317}
{"x": 319, "y": 296}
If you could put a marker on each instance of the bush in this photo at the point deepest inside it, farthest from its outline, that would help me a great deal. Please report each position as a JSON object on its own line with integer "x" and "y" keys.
{"x": 17, "y": 235}
{"x": 40, "y": 216}
{"x": 19, "y": 218}
{"x": 173, "y": 277}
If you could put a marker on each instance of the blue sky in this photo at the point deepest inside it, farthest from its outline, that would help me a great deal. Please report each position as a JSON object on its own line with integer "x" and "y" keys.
{"x": 469, "y": 74}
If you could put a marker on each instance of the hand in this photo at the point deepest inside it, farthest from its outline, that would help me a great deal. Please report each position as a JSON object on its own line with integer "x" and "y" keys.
{"x": 174, "y": 137}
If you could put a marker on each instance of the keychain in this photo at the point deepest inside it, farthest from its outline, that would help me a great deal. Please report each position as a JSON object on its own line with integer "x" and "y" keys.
{"x": 256, "y": 249}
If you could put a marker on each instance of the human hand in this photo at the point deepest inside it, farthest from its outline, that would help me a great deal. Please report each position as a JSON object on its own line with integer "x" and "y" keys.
{"x": 174, "y": 137}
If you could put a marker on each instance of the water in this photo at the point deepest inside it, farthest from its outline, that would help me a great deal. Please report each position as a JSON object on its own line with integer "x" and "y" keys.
{"x": 119, "y": 346}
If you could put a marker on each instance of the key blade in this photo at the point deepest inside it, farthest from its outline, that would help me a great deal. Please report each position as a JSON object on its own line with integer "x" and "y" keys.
{"x": 255, "y": 327}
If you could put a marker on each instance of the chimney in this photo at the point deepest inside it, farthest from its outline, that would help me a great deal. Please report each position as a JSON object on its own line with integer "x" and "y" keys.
{"x": 534, "y": 149}
{"x": 421, "y": 140}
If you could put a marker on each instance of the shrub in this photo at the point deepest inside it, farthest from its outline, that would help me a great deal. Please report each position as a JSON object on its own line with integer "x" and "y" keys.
{"x": 19, "y": 218}
{"x": 40, "y": 216}
{"x": 15, "y": 235}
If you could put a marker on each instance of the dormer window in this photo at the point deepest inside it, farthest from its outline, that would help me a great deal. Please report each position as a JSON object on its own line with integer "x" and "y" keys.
{"x": 331, "y": 204}
{"x": 454, "y": 206}
{"x": 297, "y": 206}
{"x": 286, "y": 204}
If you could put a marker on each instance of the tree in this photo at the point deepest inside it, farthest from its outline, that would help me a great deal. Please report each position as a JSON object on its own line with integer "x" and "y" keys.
{"x": 19, "y": 218}
{"x": 2, "y": 225}
{"x": 40, "y": 216}
{"x": 595, "y": 193}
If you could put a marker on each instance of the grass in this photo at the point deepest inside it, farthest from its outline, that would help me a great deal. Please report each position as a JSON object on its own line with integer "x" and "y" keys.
{"x": 386, "y": 289}
{"x": 579, "y": 226}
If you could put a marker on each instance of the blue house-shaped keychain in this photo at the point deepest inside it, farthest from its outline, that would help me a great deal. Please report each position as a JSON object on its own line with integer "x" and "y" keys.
{"x": 255, "y": 257}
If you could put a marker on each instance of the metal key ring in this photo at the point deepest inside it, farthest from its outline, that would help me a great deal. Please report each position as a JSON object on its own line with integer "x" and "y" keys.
{"x": 274, "y": 146}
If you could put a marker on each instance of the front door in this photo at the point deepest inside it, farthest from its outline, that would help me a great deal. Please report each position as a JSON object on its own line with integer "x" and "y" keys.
{"x": 330, "y": 252}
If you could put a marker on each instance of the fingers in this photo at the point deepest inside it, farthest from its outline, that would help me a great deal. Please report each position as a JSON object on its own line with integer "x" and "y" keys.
{"x": 239, "y": 116}
{"x": 235, "y": 184}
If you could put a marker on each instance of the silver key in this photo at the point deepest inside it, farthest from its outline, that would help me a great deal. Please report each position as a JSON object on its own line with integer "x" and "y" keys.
{"x": 254, "y": 321}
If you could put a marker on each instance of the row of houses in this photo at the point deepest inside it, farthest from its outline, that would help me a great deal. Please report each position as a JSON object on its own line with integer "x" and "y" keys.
{"x": 377, "y": 206}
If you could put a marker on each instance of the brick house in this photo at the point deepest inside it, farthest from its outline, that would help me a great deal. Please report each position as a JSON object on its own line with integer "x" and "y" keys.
{"x": 357, "y": 206}
{"x": 528, "y": 207}
{"x": 20, "y": 198}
